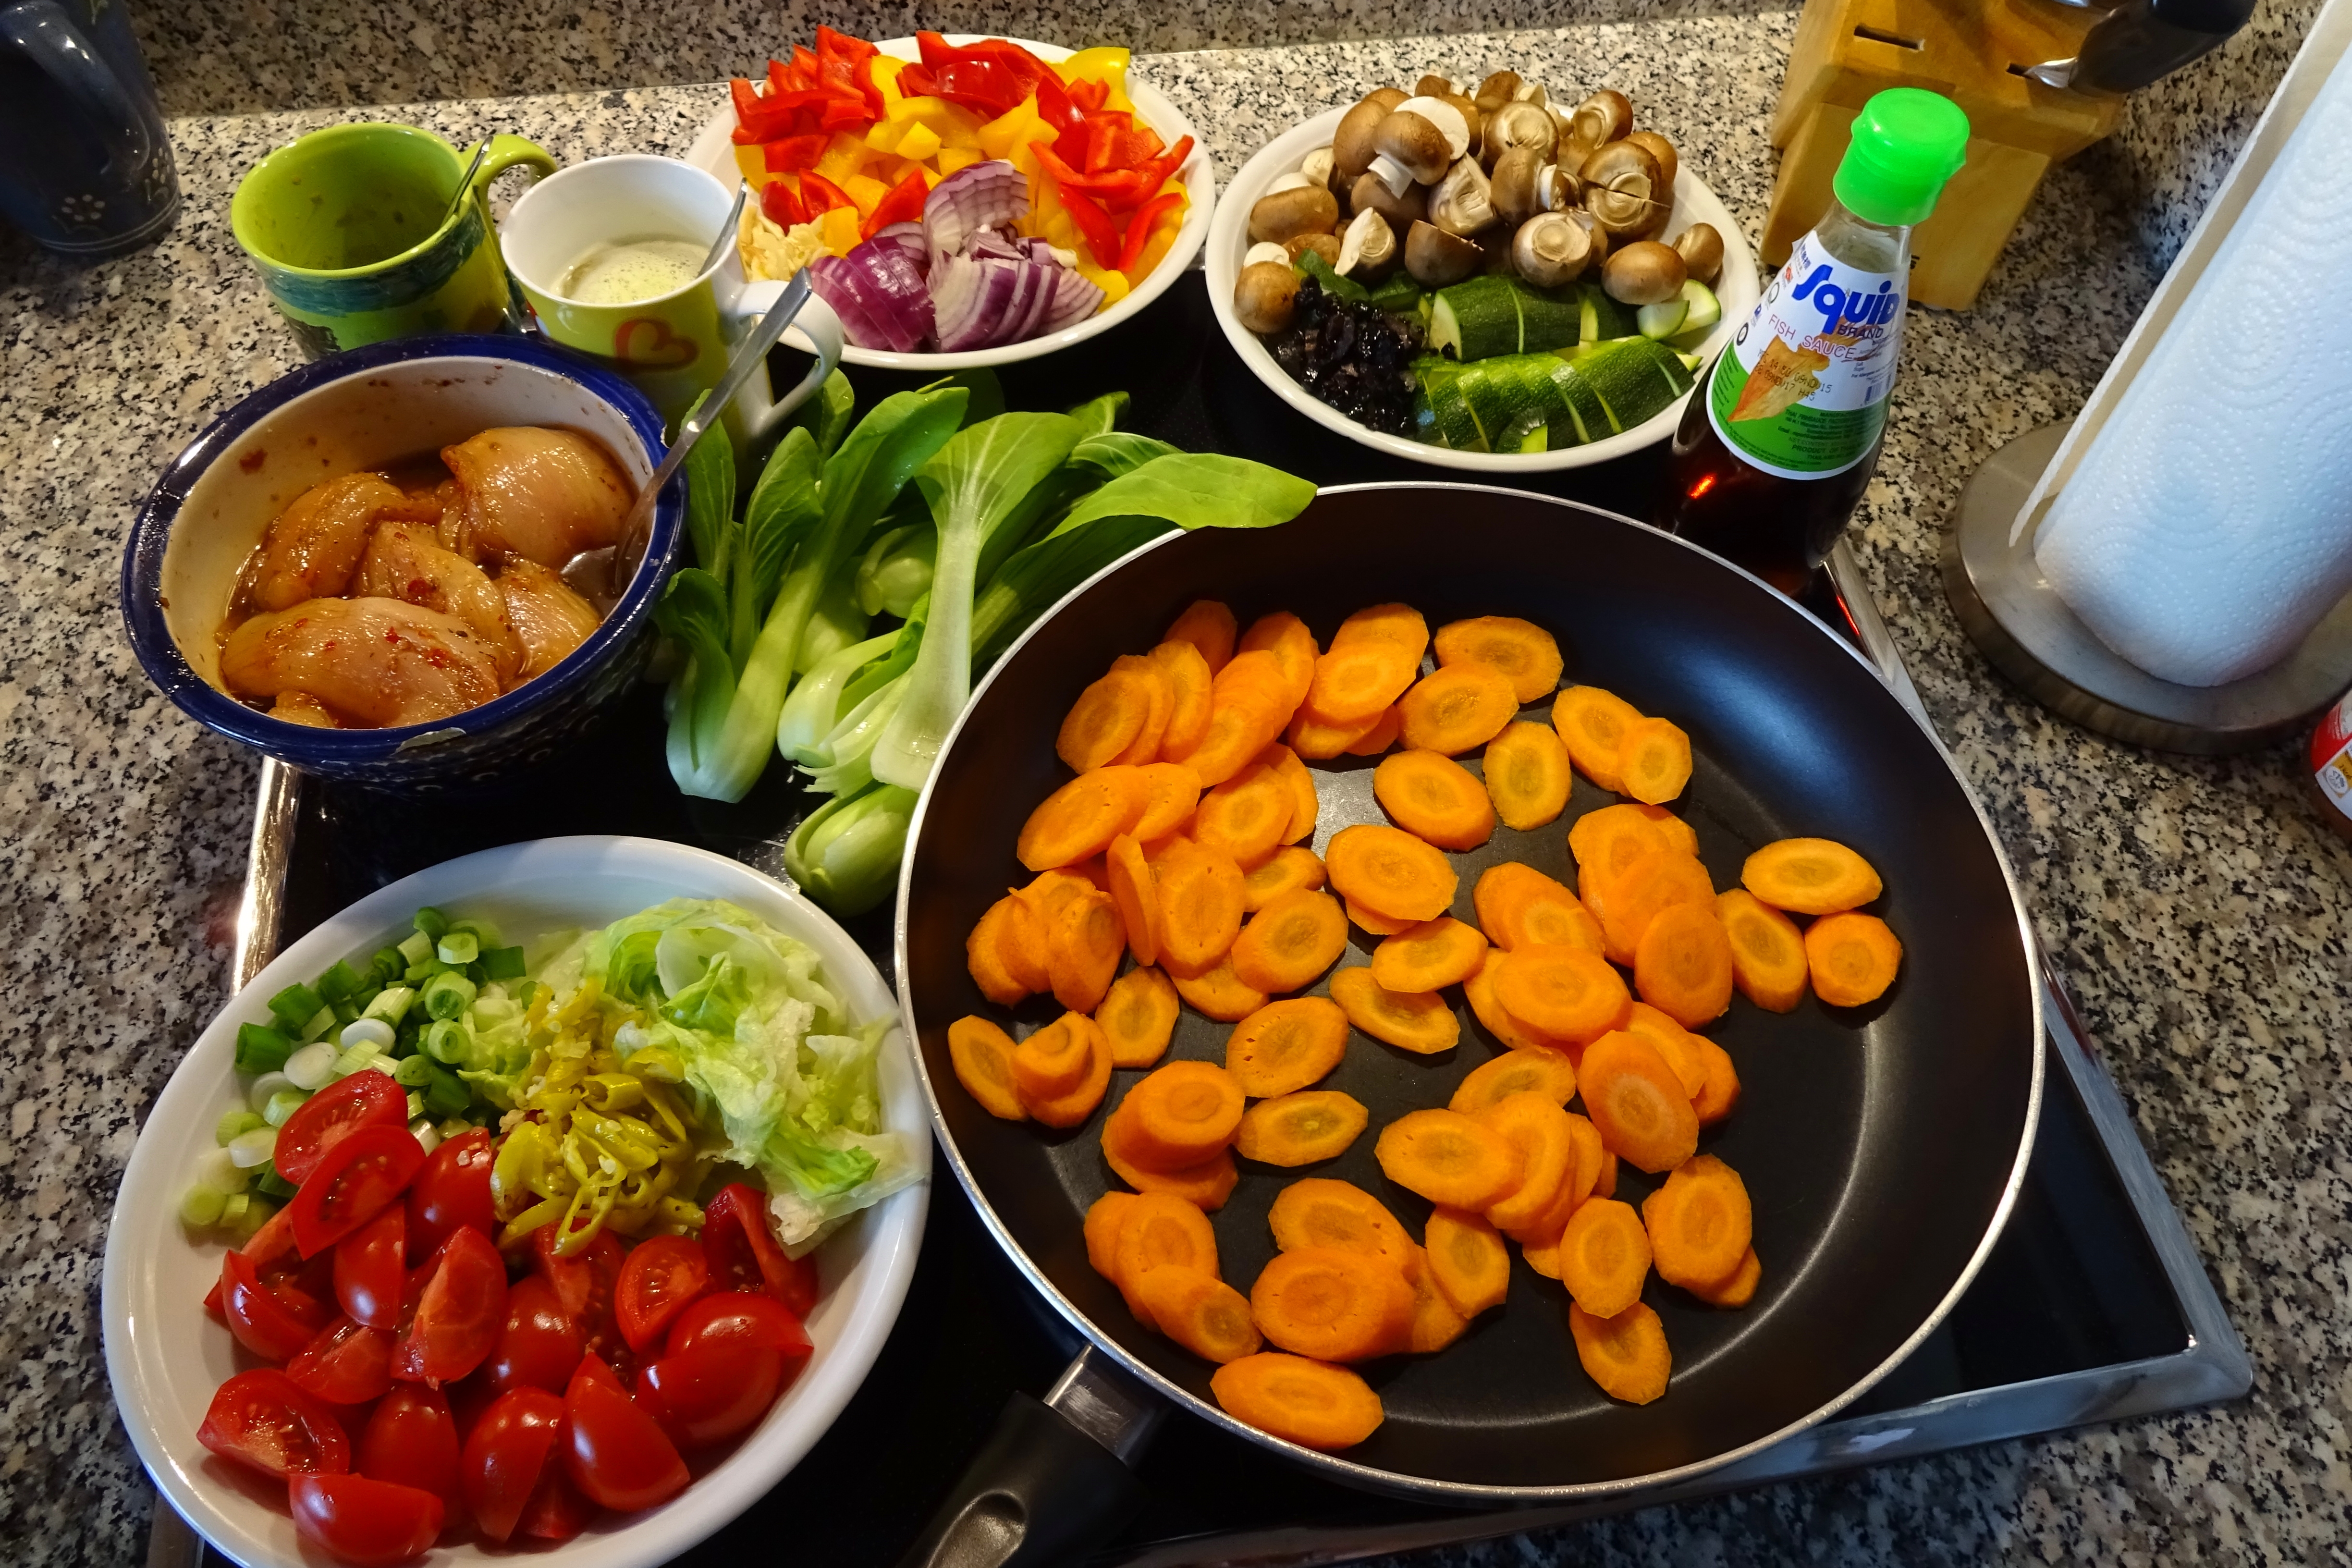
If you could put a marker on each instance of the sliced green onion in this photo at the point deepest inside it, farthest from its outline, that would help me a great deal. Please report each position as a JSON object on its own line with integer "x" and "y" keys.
{"x": 415, "y": 947}
{"x": 313, "y": 1067}
{"x": 391, "y": 1004}
{"x": 233, "y": 1122}
{"x": 367, "y": 1031}
{"x": 427, "y": 1136}
{"x": 457, "y": 947}
{"x": 494, "y": 1009}
{"x": 254, "y": 1147}
{"x": 387, "y": 964}
{"x": 282, "y": 1104}
{"x": 200, "y": 1207}
{"x": 455, "y": 1127}
{"x": 345, "y": 1013}
{"x": 446, "y": 998}
{"x": 295, "y": 1003}
{"x": 503, "y": 963}
{"x": 217, "y": 1170}
{"x": 445, "y": 1041}
{"x": 446, "y": 1094}
{"x": 260, "y": 1049}
{"x": 416, "y": 1104}
{"x": 264, "y": 1087}
{"x": 339, "y": 981}
{"x": 414, "y": 1071}
{"x": 320, "y": 1023}
{"x": 359, "y": 1059}
{"x": 270, "y": 1184}
{"x": 431, "y": 923}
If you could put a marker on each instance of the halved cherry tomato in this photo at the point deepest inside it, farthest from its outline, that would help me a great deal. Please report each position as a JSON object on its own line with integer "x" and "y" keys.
{"x": 505, "y": 1453}
{"x": 372, "y": 1269}
{"x": 615, "y": 1451}
{"x": 743, "y": 1253}
{"x": 348, "y": 1363}
{"x": 352, "y": 1183}
{"x": 596, "y": 1369}
{"x": 539, "y": 1345}
{"x": 585, "y": 1282}
{"x": 274, "y": 1318}
{"x": 363, "y": 1099}
{"x": 453, "y": 1189}
{"x": 662, "y": 1276}
{"x": 458, "y": 1313}
{"x": 261, "y": 1419}
{"x": 468, "y": 1398}
{"x": 411, "y": 1438}
{"x": 556, "y": 1510}
{"x": 370, "y": 1523}
{"x": 711, "y": 1392}
{"x": 739, "y": 1318}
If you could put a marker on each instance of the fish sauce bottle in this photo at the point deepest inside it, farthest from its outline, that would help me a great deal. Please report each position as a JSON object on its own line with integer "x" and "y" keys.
{"x": 1774, "y": 452}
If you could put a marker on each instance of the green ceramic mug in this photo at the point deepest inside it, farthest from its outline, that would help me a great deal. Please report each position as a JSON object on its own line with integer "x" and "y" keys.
{"x": 353, "y": 231}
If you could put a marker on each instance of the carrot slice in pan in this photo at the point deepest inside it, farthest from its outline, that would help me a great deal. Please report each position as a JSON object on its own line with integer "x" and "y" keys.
{"x": 1021, "y": 940}
{"x": 1377, "y": 924}
{"x": 1593, "y": 723}
{"x": 1317, "y": 739}
{"x": 1210, "y": 627}
{"x": 1321, "y": 1212}
{"x": 1199, "y": 905}
{"x": 1354, "y": 681}
{"x": 1435, "y": 799}
{"x": 1654, "y": 760}
{"x": 1604, "y": 1257}
{"x": 1604, "y": 843}
{"x": 1072, "y": 1109}
{"x": 1466, "y": 1260}
{"x": 1738, "y": 1290}
{"x": 1538, "y": 1070}
{"x": 1852, "y": 958}
{"x": 1111, "y": 717}
{"x": 1201, "y": 1313}
{"x": 1626, "y": 1354}
{"x": 1164, "y": 1232}
{"x": 1448, "y": 1157}
{"x": 1700, "y": 1223}
{"x": 1182, "y": 1113}
{"x": 1215, "y": 993}
{"x": 1332, "y": 1305}
{"x": 1247, "y": 815}
{"x": 1175, "y": 795}
{"x": 1082, "y": 951}
{"x": 1811, "y": 877}
{"x": 1137, "y": 1017}
{"x": 1503, "y": 888}
{"x": 1458, "y": 708}
{"x": 1102, "y": 1220}
{"x": 1078, "y": 820}
{"x": 1540, "y": 1131}
{"x": 1435, "y": 1323}
{"x": 1046, "y": 896}
{"x": 1626, "y": 903}
{"x": 982, "y": 1054}
{"x": 1565, "y": 993}
{"x": 1544, "y": 1231}
{"x": 1380, "y": 737}
{"x": 1288, "y": 945}
{"x": 1682, "y": 965}
{"x": 1522, "y": 651}
{"x": 1676, "y": 1045}
{"x": 1528, "y": 774}
{"x": 1052, "y": 1061}
{"x": 1301, "y": 1128}
{"x": 1606, "y": 1187}
{"x": 1159, "y": 698}
{"x": 1767, "y": 951}
{"x": 1247, "y": 712}
{"x": 1188, "y": 679}
{"x": 1399, "y": 624}
{"x": 1636, "y": 1101}
{"x": 1479, "y": 989}
{"x": 1206, "y": 1185}
{"x": 1551, "y": 916}
{"x": 1420, "y": 1022}
{"x": 1286, "y": 1046}
{"x": 1285, "y": 636}
{"x": 1429, "y": 956}
{"x": 984, "y": 956}
{"x": 1310, "y": 1403}
{"x": 1292, "y": 869}
{"x": 1389, "y": 872}
{"x": 1305, "y": 806}
{"x": 1137, "y": 896}
{"x": 1721, "y": 1093}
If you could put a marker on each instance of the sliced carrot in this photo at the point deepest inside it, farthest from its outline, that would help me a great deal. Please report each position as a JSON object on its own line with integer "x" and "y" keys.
{"x": 1738, "y": 1290}
{"x": 1102, "y": 1220}
{"x": 1458, "y": 708}
{"x": 1319, "y": 1212}
{"x": 1380, "y": 737}
{"x": 1604, "y": 843}
{"x": 1607, "y": 1186}
{"x": 1389, "y": 872}
{"x": 1604, "y": 1257}
{"x": 1538, "y": 1070}
{"x": 1206, "y": 1185}
{"x": 1216, "y": 993}
{"x": 1811, "y": 877}
{"x": 1399, "y": 624}
{"x": 1564, "y": 993}
{"x": 1308, "y": 1403}
{"x": 1435, "y": 1323}
{"x": 1247, "y": 815}
{"x": 1159, "y": 697}
{"x": 1208, "y": 626}
{"x": 1288, "y": 945}
{"x": 1682, "y": 965}
{"x": 1700, "y": 1223}
{"x": 1527, "y": 775}
{"x": 1654, "y": 760}
{"x": 1851, "y": 958}
{"x": 1479, "y": 990}
{"x": 983, "y": 1057}
{"x": 1500, "y": 889}
{"x": 1415, "y": 1021}
{"x": 1020, "y": 937}
{"x": 1551, "y": 916}
{"x": 1678, "y": 1045}
{"x": 1715, "y": 1097}
{"x": 1052, "y": 1061}
{"x": 1429, "y": 956}
{"x": 1332, "y": 1305}
{"x": 1377, "y": 924}
{"x": 1072, "y": 1109}
{"x": 1303, "y": 805}
{"x": 1636, "y": 1101}
{"x": 1301, "y": 1128}
{"x": 1435, "y": 799}
{"x": 1292, "y": 868}
{"x": 1188, "y": 679}
{"x": 984, "y": 956}
{"x": 1078, "y": 820}
{"x": 1767, "y": 951}
{"x": 1199, "y": 905}
{"x": 1626, "y": 903}
{"x": 1583, "y": 1171}
{"x": 1285, "y": 636}
{"x": 1248, "y": 708}
{"x": 1110, "y": 716}
{"x": 1539, "y": 1130}
{"x": 1542, "y": 1255}
{"x": 1317, "y": 739}
{"x": 1182, "y": 1113}
{"x": 1286, "y": 1046}
{"x": 1175, "y": 795}
{"x": 1626, "y": 1354}
{"x": 1466, "y": 1260}
{"x": 1592, "y": 722}
{"x": 1678, "y": 832}
{"x": 1201, "y": 1313}
{"x": 1137, "y": 896}
{"x": 1137, "y": 1016}
{"x": 1160, "y": 1231}
{"x": 1354, "y": 681}
{"x": 1082, "y": 951}
{"x": 1524, "y": 652}
{"x": 1448, "y": 1157}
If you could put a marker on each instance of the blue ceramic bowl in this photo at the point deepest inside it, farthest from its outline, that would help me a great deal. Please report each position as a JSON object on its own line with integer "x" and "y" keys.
{"x": 360, "y": 410}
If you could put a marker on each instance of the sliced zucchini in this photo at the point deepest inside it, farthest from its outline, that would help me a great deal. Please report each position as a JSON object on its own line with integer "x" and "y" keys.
{"x": 1662, "y": 320}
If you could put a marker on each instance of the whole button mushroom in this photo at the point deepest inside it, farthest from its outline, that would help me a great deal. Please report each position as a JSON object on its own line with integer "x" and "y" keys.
{"x": 1524, "y": 184}
{"x": 1643, "y": 273}
{"x": 1436, "y": 257}
{"x": 1663, "y": 150}
{"x": 1495, "y": 91}
{"x": 1293, "y": 206}
{"x": 1701, "y": 249}
{"x": 1551, "y": 250}
{"x": 1603, "y": 118}
{"x": 1265, "y": 296}
{"x": 1418, "y": 142}
{"x": 1351, "y": 144}
{"x": 1517, "y": 125}
{"x": 1622, "y": 189}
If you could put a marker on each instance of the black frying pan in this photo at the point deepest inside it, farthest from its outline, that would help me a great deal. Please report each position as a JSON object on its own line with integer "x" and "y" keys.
{"x": 1881, "y": 1146}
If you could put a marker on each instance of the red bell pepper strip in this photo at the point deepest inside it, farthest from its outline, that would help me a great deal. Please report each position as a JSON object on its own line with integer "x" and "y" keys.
{"x": 1138, "y": 228}
{"x": 1090, "y": 95}
{"x": 983, "y": 85}
{"x": 935, "y": 50}
{"x": 1101, "y": 233}
{"x": 781, "y": 205}
{"x": 819, "y": 194}
{"x": 842, "y": 44}
{"x": 1159, "y": 171}
{"x": 786, "y": 154}
{"x": 903, "y": 205}
{"x": 756, "y": 118}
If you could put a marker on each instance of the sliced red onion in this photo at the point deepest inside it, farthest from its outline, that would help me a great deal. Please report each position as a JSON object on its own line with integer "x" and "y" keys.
{"x": 988, "y": 244}
{"x": 906, "y": 237}
{"x": 958, "y": 297}
{"x": 976, "y": 197}
{"x": 838, "y": 284}
{"x": 1076, "y": 297}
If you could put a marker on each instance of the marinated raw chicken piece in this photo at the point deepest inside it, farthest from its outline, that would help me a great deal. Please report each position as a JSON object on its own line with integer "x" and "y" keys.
{"x": 551, "y": 619}
{"x": 545, "y": 495}
{"x": 301, "y": 708}
{"x": 316, "y": 543}
{"x": 375, "y": 662}
{"x": 405, "y": 561}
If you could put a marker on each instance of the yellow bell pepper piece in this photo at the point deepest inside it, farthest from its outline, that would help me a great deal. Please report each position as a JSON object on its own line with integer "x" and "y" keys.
{"x": 752, "y": 162}
{"x": 844, "y": 156}
{"x": 838, "y": 228}
{"x": 865, "y": 191}
{"x": 884, "y": 135}
{"x": 950, "y": 159}
{"x": 996, "y": 137}
{"x": 918, "y": 142}
{"x": 1107, "y": 66}
{"x": 1111, "y": 281}
{"x": 884, "y": 72}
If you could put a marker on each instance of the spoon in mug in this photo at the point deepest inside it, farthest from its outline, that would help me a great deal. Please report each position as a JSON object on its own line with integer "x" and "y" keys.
{"x": 465, "y": 182}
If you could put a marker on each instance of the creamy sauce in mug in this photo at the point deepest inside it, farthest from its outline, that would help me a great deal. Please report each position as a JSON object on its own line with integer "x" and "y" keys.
{"x": 623, "y": 272}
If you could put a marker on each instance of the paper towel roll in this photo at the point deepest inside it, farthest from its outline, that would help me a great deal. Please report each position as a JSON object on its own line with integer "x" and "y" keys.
{"x": 2207, "y": 527}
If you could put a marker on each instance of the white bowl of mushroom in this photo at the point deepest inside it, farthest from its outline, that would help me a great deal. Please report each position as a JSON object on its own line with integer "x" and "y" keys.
{"x": 1530, "y": 284}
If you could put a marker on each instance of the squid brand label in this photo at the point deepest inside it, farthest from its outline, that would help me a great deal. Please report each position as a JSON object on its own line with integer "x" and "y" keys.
{"x": 1802, "y": 393}
{"x": 2331, "y": 756}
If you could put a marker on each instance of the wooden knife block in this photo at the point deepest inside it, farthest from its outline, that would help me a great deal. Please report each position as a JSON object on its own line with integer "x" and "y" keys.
{"x": 1974, "y": 52}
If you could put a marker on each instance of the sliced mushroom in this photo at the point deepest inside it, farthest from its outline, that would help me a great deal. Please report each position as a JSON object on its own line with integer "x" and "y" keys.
{"x": 1367, "y": 249}
{"x": 1436, "y": 257}
{"x": 1316, "y": 167}
{"x": 1265, "y": 296}
{"x": 1621, "y": 188}
{"x": 1663, "y": 150}
{"x": 1603, "y": 118}
{"x": 1294, "y": 180}
{"x": 1549, "y": 249}
{"x": 1266, "y": 250}
{"x": 1643, "y": 273}
{"x": 1517, "y": 125}
{"x": 1462, "y": 202}
{"x": 1432, "y": 86}
{"x": 1326, "y": 245}
{"x": 1472, "y": 120}
{"x": 1351, "y": 144}
{"x": 1594, "y": 234}
{"x": 1418, "y": 142}
{"x": 1496, "y": 90}
{"x": 1303, "y": 209}
{"x": 1701, "y": 249}
{"x": 1402, "y": 209}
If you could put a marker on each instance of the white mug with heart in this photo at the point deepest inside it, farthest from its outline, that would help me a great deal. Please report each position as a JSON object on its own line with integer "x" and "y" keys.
{"x": 595, "y": 228}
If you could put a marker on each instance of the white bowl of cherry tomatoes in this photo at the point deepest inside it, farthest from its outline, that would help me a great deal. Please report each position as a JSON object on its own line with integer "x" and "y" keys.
{"x": 368, "y": 1379}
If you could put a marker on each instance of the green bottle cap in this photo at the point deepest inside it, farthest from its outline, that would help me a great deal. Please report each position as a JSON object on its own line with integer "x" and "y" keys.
{"x": 1906, "y": 143}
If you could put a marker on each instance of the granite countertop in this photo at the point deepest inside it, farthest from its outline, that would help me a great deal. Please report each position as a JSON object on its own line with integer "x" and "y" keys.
{"x": 2199, "y": 908}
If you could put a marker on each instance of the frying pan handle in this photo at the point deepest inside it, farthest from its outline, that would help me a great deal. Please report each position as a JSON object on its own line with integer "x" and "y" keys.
{"x": 1052, "y": 1483}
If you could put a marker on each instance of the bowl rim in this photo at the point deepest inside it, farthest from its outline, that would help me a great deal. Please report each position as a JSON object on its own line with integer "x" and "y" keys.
{"x": 710, "y": 145}
{"x": 150, "y": 532}
{"x": 895, "y": 1225}
{"x": 1217, "y": 260}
